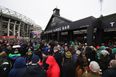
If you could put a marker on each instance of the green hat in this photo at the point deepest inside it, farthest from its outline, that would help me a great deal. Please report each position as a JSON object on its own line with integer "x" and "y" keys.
{"x": 29, "y": 50}
{"x": 36, "y": 47}
{"x": 114, "y": 50}
{"x": 102, "y": 48}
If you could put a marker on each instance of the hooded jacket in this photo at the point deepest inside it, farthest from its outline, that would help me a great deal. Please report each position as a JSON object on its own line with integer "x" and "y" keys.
{"x": 53, "y": 69}
{"x": 19, "y": 68}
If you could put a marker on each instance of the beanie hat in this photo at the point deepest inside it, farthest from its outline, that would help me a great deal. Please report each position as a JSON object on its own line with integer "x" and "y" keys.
{"x": 46, "y": 51}
{"x": 68, "y": 54}
{"x": 78, "y": 52}
{"x": 94, "y": 66}
{"x": 104, "y": 52}
{"x": 114, "y": 50}
{"x": 102, "y": 48}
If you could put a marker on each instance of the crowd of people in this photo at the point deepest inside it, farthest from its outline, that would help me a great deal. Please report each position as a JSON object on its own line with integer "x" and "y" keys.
{"x": 56, "y": 59}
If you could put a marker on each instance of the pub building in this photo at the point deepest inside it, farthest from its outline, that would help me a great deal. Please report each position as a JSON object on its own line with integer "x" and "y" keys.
{"x": 90, "y": 30}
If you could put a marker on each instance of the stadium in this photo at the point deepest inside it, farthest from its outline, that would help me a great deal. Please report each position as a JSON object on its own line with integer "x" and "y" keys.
{"x": 14, "y": 25}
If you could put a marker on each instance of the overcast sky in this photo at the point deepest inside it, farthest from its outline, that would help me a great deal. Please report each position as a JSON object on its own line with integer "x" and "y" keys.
{"x": 41, "y": 10}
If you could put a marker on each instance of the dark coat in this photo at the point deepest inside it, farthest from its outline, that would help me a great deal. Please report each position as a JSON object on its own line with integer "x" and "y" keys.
{"x": 34, "y": 70}
{"x": 58, "y": 58}
{"x": 19, "y": 68}
{"x": 68, "y": 69}
{"x": 109, "y": 72}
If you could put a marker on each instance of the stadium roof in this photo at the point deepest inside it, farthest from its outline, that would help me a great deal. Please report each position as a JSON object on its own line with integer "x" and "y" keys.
{"x": 6, "y": 11}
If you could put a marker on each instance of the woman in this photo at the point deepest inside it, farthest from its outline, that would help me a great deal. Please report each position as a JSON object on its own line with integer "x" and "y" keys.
{"x": 81, "y": 65}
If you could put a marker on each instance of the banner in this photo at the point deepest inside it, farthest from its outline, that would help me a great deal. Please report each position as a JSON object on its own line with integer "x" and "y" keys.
{"x": 7, "y": 37}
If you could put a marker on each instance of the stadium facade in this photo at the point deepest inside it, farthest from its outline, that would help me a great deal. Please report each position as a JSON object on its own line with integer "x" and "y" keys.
{"x": 13, "y": 24}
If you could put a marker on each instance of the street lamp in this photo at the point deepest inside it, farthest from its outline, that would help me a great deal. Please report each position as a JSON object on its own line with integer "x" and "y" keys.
{"x": 101, "y": 2}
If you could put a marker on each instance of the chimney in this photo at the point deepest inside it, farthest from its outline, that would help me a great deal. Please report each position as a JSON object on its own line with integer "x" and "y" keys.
{"x": 56, "y": 11}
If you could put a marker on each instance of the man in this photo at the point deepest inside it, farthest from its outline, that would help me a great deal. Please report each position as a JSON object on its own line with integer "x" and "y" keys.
{"x": 111, "y": 71}
{"x": 34, "y": 69}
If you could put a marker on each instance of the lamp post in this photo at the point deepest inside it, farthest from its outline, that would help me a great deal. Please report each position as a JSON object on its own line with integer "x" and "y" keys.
{"x": 101, "y": 2}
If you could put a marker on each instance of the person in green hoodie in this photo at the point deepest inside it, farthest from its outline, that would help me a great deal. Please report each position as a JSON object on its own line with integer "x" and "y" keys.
{"x": 15, "y": 54}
